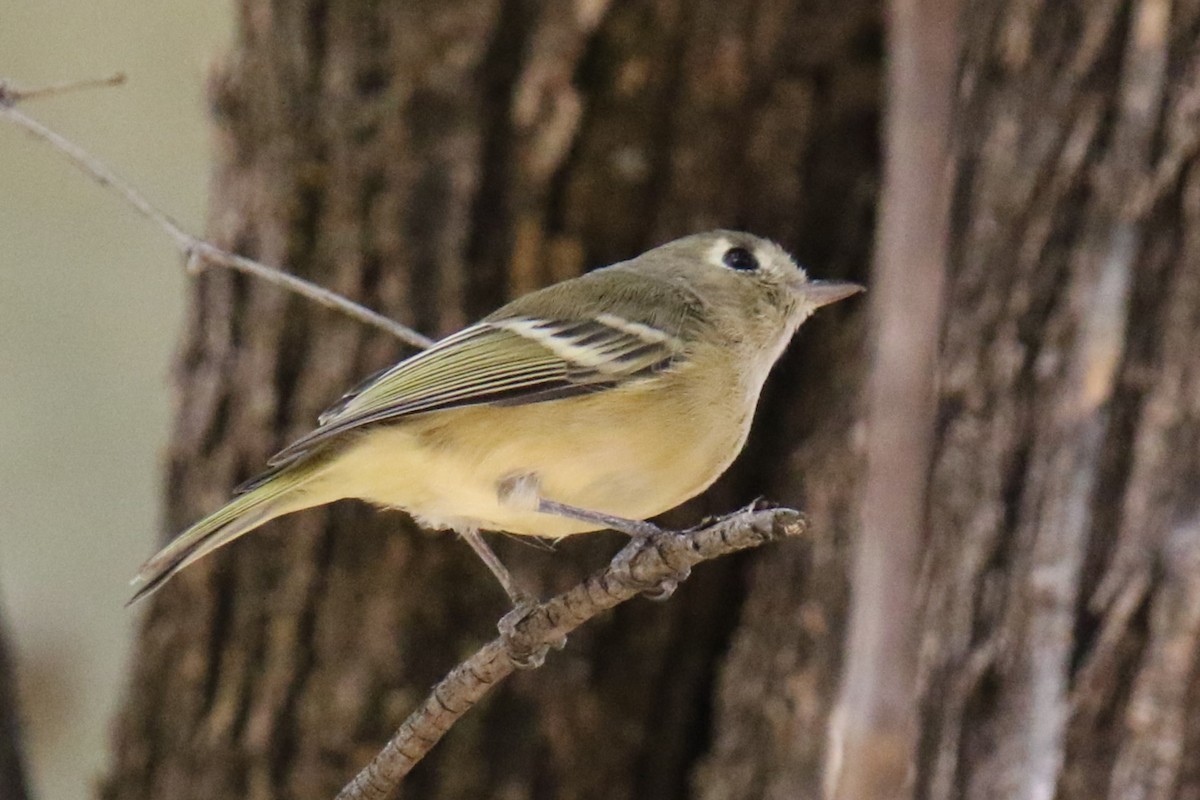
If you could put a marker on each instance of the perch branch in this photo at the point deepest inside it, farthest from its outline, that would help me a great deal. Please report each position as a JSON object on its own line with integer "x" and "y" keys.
{"x": 643, "y": 565}
{"x": 196, "y": 252}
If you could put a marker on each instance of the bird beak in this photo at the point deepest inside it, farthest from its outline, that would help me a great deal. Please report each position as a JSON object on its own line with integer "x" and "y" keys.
{"x": 822, "y": 293}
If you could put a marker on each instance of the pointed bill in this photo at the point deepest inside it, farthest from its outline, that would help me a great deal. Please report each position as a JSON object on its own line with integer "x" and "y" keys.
{"x": 822, "y": 293}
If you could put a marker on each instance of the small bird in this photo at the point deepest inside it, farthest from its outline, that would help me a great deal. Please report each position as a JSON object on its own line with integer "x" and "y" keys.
{"x": 595, "y": 403}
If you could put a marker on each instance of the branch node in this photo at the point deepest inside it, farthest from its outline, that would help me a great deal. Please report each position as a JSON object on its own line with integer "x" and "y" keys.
{"x": 193, "y": 260}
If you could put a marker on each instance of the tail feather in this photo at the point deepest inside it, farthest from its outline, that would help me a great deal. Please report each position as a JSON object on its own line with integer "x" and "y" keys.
{"x": 266, "y": 501}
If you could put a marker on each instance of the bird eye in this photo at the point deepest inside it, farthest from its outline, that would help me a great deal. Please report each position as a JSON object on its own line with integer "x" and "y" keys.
{"x": 740, "y": 258}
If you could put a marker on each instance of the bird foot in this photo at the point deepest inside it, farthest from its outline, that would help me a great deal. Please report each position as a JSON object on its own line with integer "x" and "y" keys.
{"x": 622, "y": 565}
{"x": 522, "y": 654}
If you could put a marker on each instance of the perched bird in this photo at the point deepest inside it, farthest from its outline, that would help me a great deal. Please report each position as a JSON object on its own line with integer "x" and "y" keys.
{"x": 594, "y": 403}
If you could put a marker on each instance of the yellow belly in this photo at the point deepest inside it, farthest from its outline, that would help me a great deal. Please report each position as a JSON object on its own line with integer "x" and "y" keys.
{"x": 446, "y": 467}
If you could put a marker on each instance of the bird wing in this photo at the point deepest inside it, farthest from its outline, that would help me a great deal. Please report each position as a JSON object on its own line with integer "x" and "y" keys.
{"x": 511, "y": 361}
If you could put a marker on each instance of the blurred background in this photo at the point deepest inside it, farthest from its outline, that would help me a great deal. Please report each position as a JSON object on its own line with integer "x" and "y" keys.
{"x": 90, "y": 304}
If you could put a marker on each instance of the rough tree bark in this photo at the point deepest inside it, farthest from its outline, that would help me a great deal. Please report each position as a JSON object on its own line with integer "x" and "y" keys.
{"x": 434, "y": 158}
{"x": 1061, "y": 620}
{"x": 1063, "y": 612}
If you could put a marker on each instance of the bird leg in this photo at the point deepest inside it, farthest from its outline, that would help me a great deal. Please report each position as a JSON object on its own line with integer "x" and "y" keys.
{"x": 523, "y": 604}
{"x": 523, "y": 490}
{"x": 636, "y": 528}
{"x": 488, "y": 557}
{"x": 639, "y": 530}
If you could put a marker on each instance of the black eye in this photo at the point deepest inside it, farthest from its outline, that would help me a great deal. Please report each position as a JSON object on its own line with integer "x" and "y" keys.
{"x": 740, "y": 258}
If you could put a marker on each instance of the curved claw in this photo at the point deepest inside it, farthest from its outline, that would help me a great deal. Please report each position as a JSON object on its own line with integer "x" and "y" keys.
{"x": 661, "y": 592}
{"x": 667, "y": 587}
{"x": 532, "y": 660}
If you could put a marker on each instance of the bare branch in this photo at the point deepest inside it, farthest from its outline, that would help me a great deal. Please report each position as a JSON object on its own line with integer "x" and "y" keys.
{"x": 643, "y": 565}
{"x": 11, "y": 95}
{"x": 197, "y": 252}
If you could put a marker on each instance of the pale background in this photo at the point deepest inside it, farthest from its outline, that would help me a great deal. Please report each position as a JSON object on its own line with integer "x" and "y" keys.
{"x": 90, "y": 303}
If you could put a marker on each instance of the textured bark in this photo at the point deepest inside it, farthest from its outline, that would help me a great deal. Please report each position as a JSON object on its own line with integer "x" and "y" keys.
{"x": 1060, "y": 654}
{"x": 432, "y": 159}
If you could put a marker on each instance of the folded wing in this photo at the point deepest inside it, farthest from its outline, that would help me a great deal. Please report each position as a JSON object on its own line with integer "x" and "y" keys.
{"x": 511, "y": 361}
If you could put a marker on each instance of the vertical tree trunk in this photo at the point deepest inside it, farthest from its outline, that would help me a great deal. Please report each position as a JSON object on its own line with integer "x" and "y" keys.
{"x": 1061, "y": 593}
{"x": 1063, "y": 596}
{"x": 432, "y": 159}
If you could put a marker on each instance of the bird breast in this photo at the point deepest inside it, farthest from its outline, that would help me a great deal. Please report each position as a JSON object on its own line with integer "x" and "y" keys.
{"x": 633, "y": 451}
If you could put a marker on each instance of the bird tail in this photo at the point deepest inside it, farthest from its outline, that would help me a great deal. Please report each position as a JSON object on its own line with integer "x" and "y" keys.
{"x": 270, "y": 496}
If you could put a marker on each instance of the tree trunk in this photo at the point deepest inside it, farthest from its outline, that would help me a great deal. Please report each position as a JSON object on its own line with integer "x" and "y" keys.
{"x": 432, "y": 159}
{"x": 1063, "y": 613}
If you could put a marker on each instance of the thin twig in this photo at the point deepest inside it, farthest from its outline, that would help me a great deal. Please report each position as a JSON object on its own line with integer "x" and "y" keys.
{"x": 196, "y": 252}
{"x": 11, "y": 95}
{"x": 642, "y": 566}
